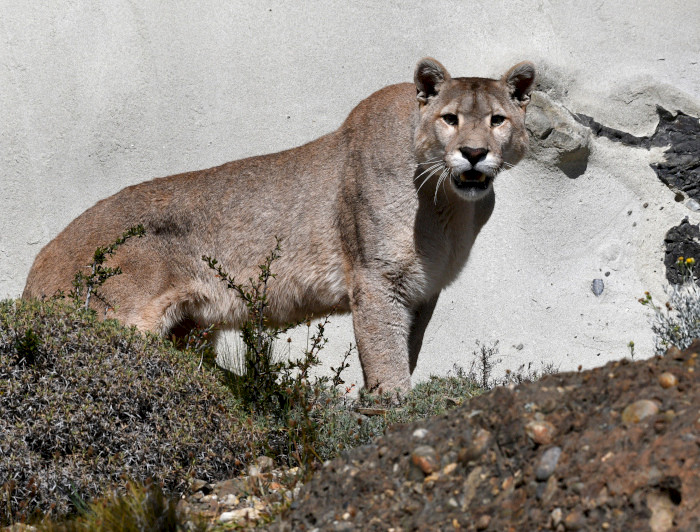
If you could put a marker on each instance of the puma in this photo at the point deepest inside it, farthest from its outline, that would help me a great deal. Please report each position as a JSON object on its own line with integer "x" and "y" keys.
{"x": 375, "y": 218}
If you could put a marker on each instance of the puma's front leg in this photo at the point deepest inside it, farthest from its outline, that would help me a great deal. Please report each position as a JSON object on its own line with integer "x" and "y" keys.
{"x": 421, "y": 318}
{"x": 382, "y": 325}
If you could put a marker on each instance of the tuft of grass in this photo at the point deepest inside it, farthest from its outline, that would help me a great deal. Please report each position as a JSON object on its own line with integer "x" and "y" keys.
{"x": 310, "y": 418}
{"x": 344, "y": 423}
{"x": 140, "y": 508}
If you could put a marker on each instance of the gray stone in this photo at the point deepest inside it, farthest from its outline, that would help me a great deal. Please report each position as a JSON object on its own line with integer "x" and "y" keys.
{"x": 693, "y": 205}
{"x": 548, "y": 463}
{"x": 597, "y": 286}
{"x": 556, "y": 136}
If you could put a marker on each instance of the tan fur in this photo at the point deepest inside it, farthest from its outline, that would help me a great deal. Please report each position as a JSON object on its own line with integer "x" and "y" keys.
{"x": 372, "y": 220}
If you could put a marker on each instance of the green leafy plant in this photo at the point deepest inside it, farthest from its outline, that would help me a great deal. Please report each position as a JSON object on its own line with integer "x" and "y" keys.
{"x": 27, "y": 346}
{"x": 257, "y": 384}
{"x": 282, "y": 390}
{"x": 85, "y": 285}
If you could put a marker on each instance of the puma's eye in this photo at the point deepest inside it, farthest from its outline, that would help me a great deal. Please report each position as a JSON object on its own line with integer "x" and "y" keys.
{"x": 451, "y": 119}
{"x": 497, "y": 120}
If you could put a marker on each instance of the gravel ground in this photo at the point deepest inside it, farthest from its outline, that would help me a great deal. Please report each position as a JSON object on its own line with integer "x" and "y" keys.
{"x": 613, "y": 448}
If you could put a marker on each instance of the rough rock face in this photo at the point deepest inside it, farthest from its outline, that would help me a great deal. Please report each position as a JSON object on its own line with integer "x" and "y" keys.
{"x": 681, "y": 241}
{"x": 681, "y": 166}
{"x": 556, "y": 137}
{"x": 560, "y": 137}
{"x": 614, "y": 448}
{"x": 678, "y": 133}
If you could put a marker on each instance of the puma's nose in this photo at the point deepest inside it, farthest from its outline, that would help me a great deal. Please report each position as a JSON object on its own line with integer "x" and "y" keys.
{"x": 473, "y": 155}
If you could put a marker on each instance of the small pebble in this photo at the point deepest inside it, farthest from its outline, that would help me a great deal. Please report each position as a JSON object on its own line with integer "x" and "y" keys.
{"x": 639, "y": 410}
{"x": 556, "y": 516}
{"x": 241, "y": 513}
{"x": 449, "y": 469}
{"x": 200, "y": 485}
{"x": 693, "y": 205}
{"x": 483, "y": 522}
{"x": 574, "y": 521}
{"x": 425, "y": 458}
{"x": 547, "y": 463}
{"x": 597, "y": 286}
{"x": 230, "y": 500}
{"x": 419, "y": 434}
{"x": 541, "y": 432}
{"x": 667, "y": 380}
{"x": 476, "y": 447}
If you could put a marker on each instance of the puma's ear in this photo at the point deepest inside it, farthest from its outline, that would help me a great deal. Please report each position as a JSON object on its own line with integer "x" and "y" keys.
{"x": 520, "y": 80}
{"x": 428, "y": 77}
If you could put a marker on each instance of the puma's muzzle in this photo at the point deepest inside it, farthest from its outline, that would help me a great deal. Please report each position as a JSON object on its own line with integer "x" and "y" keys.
{"x": 472, "y": 179}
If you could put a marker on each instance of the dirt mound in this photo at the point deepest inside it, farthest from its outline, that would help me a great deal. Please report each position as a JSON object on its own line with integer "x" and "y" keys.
{"x": 614, "y": 448}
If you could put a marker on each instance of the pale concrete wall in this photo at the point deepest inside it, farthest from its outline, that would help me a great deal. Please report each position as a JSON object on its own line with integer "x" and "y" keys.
{"x": 95, "y": 96}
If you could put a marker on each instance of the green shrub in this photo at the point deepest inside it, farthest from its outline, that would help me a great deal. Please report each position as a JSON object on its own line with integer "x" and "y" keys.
{"x": 86, "y": 404}
{"x": 281, "y": 393}
{"x": 85, "y": 285}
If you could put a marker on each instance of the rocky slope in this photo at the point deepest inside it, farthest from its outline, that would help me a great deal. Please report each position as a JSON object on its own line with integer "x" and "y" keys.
{"x": 613, "y": 448}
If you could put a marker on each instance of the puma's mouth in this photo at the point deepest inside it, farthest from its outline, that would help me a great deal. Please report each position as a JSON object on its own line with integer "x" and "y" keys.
{"x": 472, "y": 179}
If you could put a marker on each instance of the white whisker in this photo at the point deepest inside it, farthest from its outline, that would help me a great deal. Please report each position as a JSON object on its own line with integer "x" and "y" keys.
{"x": 427, "y": 178}
{"x": 429, "y": 162}
{"x": 441, "y": 179}
{"x": 428, "y": 170}
{"x": 449, "y": 176}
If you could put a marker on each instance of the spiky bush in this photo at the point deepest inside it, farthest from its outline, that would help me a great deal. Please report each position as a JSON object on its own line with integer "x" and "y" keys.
{"x": 677, "y": 323}
{"x": 87, "y": 404}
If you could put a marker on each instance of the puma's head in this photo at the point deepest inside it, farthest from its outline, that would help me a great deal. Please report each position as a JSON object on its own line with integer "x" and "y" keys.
{"x": 470, "y": 128}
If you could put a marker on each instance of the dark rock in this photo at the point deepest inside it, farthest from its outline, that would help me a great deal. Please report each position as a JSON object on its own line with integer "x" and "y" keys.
{"x": 681, "y": 167}
{"x": 682, "y": 241}
{"x": 679, "y": 134}
{"x": 616, "y": 135}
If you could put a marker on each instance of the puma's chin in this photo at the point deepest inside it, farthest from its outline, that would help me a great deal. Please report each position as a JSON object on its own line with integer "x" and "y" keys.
{"x": 472, "y": 184}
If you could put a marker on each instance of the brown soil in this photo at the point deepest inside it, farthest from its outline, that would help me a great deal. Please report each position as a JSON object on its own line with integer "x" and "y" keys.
{"x": 614, "y": 448}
